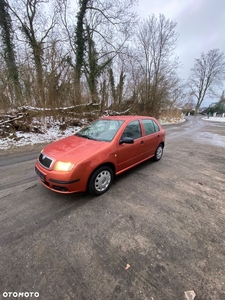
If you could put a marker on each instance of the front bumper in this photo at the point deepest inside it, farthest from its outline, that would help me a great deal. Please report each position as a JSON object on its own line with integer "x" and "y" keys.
{"x": 63, "y": 184}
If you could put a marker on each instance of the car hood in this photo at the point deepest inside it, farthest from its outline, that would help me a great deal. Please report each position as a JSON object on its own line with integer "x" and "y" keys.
{"x": 73, "y": 148}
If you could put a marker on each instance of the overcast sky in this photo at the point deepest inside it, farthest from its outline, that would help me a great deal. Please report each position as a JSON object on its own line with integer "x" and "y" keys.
{"x": 200, "y": 25}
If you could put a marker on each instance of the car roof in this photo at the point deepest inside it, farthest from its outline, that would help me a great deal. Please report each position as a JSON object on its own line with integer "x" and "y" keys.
{"x": 125, "y": 117}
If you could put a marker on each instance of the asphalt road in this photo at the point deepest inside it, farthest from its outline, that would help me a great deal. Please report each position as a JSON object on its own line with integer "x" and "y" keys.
{"x": 158, "y": 232}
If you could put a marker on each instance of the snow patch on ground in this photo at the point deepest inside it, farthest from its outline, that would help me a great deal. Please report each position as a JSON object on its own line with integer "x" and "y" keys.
{"x": 168, "y": 120}
{"x": 215, "y": 119}
{"x": 51, "y": 134}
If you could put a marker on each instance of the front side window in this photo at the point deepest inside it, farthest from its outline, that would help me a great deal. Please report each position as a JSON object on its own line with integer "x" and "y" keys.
{"x": 150, "y": 126}
{"x": 132, "y": 130}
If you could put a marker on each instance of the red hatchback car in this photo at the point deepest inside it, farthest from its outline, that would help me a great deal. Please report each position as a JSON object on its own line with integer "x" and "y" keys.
{"x": 89, "y": 159}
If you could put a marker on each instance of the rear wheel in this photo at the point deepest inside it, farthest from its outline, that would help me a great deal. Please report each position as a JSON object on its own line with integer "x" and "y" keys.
{"x": 100, "y": 180}
{"x": 159, "y": 152}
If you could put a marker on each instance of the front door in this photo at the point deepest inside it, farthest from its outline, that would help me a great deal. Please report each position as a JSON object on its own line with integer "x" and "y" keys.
{"x": 130, "y": 154}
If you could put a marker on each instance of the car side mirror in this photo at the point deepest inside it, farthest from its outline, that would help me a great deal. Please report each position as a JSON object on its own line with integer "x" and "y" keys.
{"x": 127, "y": 140}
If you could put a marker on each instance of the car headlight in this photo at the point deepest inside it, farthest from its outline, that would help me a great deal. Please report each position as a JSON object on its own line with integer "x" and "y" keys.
{"x": 63, "y": 166}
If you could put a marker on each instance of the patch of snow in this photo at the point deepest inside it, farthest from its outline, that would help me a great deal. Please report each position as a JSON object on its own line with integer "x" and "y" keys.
{"x": 168, "y": 121}
{"x": 51, "y": 134}
{"x": 32, "y": 108}
{"x": 215, "y": 119}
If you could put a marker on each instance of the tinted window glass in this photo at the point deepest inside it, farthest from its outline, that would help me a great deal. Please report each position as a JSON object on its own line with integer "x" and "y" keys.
{"x": 156, "y": 126}
{"x": 149, "y": 126}
{"x": 132, "y": 130}
{"x": 101, "y": 130}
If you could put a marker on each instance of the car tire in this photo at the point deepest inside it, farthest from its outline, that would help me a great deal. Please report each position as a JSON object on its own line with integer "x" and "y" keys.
{"x": 100, "y": 180}
{"x": 158, "y": 153}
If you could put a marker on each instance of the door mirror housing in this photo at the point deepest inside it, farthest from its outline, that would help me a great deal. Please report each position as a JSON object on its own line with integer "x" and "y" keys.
{"x": 126, "y": 140}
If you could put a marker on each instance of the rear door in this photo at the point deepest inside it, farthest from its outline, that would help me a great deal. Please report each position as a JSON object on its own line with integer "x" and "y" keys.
{"x": 151, "y": 136}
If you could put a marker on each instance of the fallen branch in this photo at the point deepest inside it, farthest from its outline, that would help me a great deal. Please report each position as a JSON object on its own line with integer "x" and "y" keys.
{"x": 14, "y": 119}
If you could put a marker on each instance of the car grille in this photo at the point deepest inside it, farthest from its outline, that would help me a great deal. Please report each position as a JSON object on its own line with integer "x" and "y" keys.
{"x": 45, "y": 161}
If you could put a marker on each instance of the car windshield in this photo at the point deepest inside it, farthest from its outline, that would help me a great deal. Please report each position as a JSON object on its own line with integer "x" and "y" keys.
{"x": 101, "y": 130}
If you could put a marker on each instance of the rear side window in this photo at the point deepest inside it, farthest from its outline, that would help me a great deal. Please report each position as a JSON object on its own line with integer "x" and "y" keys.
{"x": 132, "y": 130}
{"x": 156, "y": 126}
{"x": 150, "y": 126}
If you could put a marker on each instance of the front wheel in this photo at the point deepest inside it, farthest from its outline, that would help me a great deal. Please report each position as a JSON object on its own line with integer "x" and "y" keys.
{"x": 158, "y": 153}
{"x": 100, "y": 181}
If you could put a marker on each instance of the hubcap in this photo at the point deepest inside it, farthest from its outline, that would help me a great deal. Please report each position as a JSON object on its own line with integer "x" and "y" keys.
{"x": 102, "y": 181}
{"x": 159, "y": 153}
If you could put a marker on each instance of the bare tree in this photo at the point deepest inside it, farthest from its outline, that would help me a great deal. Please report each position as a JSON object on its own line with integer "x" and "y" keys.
{"x": 31, "y": 19}
{"x": 177, "y": 95}
{"x": 101, "y": 30}
{"x": 189, "y": 105}
{"x": 207, "y": 75}
{"x": 156, "y": 43}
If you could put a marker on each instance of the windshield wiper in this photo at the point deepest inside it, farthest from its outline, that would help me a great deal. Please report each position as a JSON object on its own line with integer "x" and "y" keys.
{"x": 86, "y": 136}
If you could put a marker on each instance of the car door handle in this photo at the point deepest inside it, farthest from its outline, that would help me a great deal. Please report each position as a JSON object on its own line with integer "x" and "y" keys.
{"x": 142, "y": 142}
